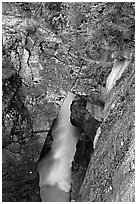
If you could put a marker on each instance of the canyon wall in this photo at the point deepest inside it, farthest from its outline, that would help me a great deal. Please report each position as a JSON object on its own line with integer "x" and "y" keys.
{"x": 49, "y": 49}
{"x": 110, "y": 174}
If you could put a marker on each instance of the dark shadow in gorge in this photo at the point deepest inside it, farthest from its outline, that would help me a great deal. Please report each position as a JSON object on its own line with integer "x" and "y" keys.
{"x": 88, "y": 125}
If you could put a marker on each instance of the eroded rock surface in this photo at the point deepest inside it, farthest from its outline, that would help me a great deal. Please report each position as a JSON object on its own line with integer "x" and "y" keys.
{"x": 37, "y": 74}
{"x": 87, "y": 124}
{"x": 52, "y": 48}
{"x": 110, "y": 173}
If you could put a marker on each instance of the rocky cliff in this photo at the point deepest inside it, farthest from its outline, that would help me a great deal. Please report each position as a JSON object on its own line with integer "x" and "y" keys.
{"x": 106, "y": 168}
{"x": 49, "y": 49}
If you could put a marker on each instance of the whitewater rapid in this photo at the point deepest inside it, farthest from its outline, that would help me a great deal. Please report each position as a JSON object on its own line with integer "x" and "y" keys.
{"x": 55, "y": 169}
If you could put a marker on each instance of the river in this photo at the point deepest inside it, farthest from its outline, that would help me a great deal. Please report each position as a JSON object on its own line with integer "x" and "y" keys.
{"x": 55, "y": 169}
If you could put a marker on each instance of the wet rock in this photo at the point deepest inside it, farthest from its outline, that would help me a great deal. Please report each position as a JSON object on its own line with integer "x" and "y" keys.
{"x": 81, "y": 118}
{"x": 105, "y": 177}
{"x": 78, "y": 111}
{"x": 96, "y": 110}
{"x": 39, "y": 67}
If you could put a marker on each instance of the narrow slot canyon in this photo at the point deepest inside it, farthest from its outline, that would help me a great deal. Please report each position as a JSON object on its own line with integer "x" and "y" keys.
{"x": 68, "y": 102}
{"x": 74, "y": 133}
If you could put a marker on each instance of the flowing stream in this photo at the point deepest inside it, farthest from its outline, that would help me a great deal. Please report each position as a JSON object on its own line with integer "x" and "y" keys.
{"x": 55, "y": 169}
{"x": 116, "y": 72}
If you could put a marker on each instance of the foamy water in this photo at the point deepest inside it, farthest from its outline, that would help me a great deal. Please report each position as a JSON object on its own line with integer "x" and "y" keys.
{"x": 116, "y": 72}
{"x": 55, "y": 170}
